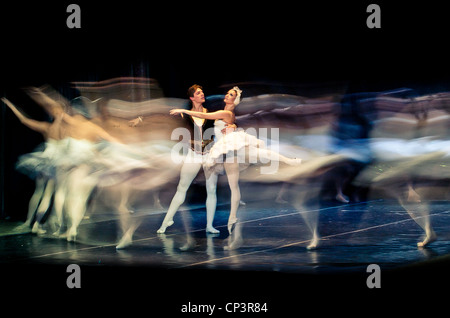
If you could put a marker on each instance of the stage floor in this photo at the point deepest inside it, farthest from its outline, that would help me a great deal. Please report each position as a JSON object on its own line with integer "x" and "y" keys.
{"x": 270, "y": 237}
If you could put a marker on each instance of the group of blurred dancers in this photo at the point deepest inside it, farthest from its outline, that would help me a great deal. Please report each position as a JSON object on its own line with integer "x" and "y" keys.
{"x": 392, "y": 141}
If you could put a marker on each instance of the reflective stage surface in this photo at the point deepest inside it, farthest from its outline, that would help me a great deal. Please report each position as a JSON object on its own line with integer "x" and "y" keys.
{"x": 265, "y": 262}
{"x": 268, "y": 237}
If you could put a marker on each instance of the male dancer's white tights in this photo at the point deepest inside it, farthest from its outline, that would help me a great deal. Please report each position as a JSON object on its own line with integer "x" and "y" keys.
{"x": 189, "y": 171}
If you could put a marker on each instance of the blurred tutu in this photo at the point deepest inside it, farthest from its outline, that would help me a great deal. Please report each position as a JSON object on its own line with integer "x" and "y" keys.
{"x": 231, "y": 145}
{"x": 42, "y": 162}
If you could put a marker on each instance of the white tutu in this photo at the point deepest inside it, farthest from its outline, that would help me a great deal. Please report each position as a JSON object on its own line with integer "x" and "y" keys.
{"x": 42, "y": 162}
{"x": 235, "y": 144}
{"x": 76, "y": 152}
{"x": 144, "y": 164}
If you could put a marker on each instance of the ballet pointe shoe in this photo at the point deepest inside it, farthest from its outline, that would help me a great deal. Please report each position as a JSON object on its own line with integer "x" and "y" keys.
{"x": 231, "y": 223}
{"x": 125, "y": 241}
{"x": 164, "y": 226}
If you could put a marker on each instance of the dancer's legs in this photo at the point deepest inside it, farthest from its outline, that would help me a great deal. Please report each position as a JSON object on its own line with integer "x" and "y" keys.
{"x": 126, "y": 223}
{"x": 46, "y": 199}
{"x": 128, "y": 226}
{"x": 309, "y": 188}
{"x": 232, "y": 170}
{"x": 211, "y": 199}
{"x": 124, "y": 193}
{"x": 420, "y": 213}
{"x": 59, "y": 200}
{"x": 189, "y": 171}
{"x": 235, "y": 239}
{"x": 34, "y": 201}
{"x": 156, "y": 201}
{"x": 43, "y": 206}
{"x": 80, "y": 188}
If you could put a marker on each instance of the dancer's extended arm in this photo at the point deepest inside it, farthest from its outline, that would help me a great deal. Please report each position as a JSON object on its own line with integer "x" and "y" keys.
{"x": 225, "y": 115}
{"x": 39, "y": 126}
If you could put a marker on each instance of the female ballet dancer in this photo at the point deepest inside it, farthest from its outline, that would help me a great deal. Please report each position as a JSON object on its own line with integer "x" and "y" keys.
{"x": 228, "y": 143}
{"x": 40, "y": 164}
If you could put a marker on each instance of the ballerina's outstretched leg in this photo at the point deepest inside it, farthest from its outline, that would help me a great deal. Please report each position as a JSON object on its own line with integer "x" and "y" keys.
{"x": 267, "y": 154}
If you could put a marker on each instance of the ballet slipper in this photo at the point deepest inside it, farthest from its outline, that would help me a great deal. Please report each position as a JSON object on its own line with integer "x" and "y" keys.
{"x": 164, "y": 226}
{"x": 212, "y": 230}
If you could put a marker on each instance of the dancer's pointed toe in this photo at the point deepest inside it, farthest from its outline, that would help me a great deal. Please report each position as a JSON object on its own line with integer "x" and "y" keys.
{"x": 231, "y": 224}
{"x": 164, "y": 226}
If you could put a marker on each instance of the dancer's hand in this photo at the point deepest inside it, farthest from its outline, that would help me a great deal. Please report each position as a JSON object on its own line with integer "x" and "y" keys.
{"x": 176, "y": 111}
{"x": 229, "y": 128}
{"x": 135, "y": 122}
{"x": 8, "y": 103}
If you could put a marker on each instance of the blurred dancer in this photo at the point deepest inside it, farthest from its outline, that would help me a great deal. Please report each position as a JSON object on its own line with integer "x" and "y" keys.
{"x": 76, "y": 181}
{"x": 410, "y": 151}
{"x": 40, "y": 164}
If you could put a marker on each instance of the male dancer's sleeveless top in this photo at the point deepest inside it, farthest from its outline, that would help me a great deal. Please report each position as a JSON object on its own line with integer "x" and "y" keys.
{"x": 202, "y": 137}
